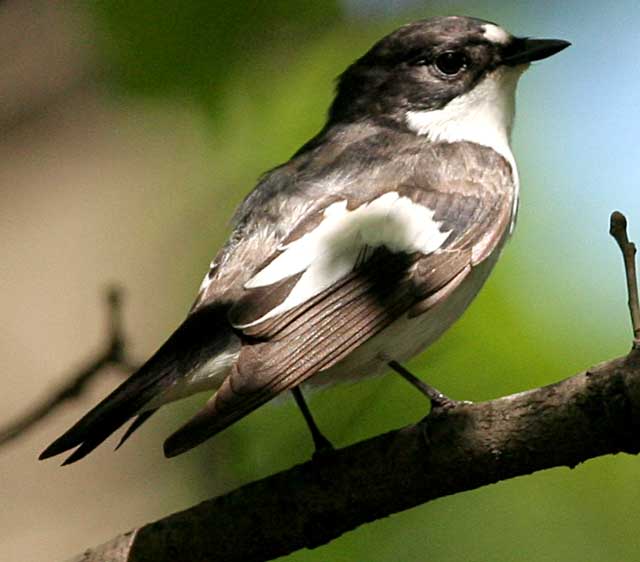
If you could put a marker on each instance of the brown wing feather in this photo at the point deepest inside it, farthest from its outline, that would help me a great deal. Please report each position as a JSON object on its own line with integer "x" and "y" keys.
{"x": 369, "y": 302}
{"x": 287, "y": 349}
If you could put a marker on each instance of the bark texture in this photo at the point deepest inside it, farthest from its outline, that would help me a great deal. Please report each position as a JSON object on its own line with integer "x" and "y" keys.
{"x": 594, "y": 413}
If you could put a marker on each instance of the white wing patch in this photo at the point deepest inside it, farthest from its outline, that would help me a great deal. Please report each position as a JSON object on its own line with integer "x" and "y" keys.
{"x": 331, "y": 250}
{"x": 208, "y": 278}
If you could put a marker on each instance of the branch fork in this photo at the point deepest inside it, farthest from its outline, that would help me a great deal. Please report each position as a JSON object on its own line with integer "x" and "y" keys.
{"x": 114, "y": 354}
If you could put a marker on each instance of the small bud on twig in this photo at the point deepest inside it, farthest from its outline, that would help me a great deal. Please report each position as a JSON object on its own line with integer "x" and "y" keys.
{"x": 618, "y": 229}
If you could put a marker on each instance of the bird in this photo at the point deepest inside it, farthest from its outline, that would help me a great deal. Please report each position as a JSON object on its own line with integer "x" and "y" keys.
{"x": 359, "y": 251}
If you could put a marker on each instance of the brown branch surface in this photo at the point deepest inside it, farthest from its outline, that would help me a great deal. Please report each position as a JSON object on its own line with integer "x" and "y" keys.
{"x": 471, "y": 445}
{"x": 113, "y": 355}
{"x": 456, "y": 448}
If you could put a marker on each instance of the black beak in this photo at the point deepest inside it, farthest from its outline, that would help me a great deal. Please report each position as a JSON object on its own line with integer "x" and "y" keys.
{"x": 524, "y": 50}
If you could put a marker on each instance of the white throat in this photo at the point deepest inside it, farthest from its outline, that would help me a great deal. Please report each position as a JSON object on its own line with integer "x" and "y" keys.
{"x": 483, "y": 116}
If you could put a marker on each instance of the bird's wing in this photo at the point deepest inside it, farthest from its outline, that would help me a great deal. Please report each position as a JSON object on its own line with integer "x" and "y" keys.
{"x": 342, "y": 276}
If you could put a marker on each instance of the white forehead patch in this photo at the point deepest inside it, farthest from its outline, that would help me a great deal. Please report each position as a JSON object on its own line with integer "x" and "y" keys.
{"x": 496, "y": 34}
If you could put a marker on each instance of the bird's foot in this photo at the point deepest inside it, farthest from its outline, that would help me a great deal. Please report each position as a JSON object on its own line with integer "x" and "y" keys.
{"x": 439, "y": 400}
{"x": 323, "y": 446}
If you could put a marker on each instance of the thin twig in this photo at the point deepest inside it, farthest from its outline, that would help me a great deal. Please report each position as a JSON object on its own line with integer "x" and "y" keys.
{"x": 618, "y": 230}
{"x": 114, "y": 355}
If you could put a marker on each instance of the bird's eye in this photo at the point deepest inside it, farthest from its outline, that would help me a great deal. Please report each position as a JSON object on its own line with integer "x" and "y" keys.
{"x": 451, "y": 62}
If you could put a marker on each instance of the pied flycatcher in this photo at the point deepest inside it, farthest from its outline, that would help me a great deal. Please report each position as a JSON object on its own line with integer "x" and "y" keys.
{"x": 358, "y": 252}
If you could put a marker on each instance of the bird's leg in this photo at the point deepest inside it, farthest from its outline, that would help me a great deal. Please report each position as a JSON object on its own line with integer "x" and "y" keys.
{"x": 321, "y": 443}
{"x": 438, "y": 399}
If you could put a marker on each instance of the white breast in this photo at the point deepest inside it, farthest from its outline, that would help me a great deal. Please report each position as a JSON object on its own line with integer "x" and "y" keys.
{"x": 407, "y": 337}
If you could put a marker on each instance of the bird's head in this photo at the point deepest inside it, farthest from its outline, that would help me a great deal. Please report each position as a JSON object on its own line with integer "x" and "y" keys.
{"x": 433, "y": 73}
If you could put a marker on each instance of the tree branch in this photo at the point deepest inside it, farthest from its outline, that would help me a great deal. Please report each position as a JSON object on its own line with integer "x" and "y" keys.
{"x": 591, "y": 414}
{"x": 594, "y": 413}
{"x": 114, "y": 355}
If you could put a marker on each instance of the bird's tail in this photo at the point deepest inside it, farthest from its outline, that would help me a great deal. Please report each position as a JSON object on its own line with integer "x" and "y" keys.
{"x": 203, "y": 335}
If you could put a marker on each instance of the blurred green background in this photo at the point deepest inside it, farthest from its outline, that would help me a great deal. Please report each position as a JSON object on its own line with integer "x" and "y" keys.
{"x": 130, "y": 132}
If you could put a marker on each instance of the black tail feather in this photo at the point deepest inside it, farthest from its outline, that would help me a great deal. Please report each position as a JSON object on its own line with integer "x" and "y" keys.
{"x": 204, "y": 333}
{"x": 115, "y": 410}
{"x": 135, "y": 425}
{"x": 91, "y": 430}
{"x": 89, "y": 444}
